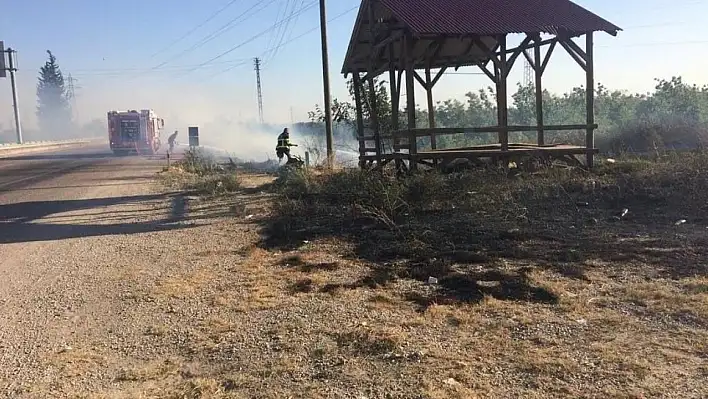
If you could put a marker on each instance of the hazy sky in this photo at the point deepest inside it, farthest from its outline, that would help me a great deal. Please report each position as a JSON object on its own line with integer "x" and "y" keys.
{"x": 126, "y": 54}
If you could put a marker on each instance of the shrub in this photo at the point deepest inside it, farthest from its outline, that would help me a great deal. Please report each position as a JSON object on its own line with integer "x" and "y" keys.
{"x": 198, "y": 162}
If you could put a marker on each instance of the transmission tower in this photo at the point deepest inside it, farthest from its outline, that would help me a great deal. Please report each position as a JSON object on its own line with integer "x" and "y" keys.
{"x": 71, "y": 88}
{"x": 528, "y": 73}
{"x": 257, "y": 63}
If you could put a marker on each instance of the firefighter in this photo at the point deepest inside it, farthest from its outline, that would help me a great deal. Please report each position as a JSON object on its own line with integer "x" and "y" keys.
{"x": 171, "y": 140}
{"x": 284, "y": 144}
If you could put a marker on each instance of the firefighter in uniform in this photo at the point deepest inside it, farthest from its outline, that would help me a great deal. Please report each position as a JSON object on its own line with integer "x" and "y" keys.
{"x": 284, "y": 144}
{"x": 171, "y": 140}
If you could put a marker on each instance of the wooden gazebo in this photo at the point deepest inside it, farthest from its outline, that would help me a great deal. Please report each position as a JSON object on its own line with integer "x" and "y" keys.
{"x": 434, "y": 35}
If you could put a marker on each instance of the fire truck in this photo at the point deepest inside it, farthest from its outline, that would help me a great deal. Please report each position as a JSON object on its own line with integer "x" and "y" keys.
{"x": 134, "y": 131}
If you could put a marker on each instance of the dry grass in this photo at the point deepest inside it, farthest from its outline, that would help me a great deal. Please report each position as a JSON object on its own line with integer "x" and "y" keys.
{"x": 198, "y": 172}
{"x": 542, "y": 290}
{"x": 544, "y": 287}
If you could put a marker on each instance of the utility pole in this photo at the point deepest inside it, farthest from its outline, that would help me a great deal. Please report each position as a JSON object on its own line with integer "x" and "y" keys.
{"x": 71, "y": 91}
{"x": 325, "y": 78}
{"x": 257, "y": 63}
{"x": 292, "y": 119}
{"x": 11, "y": 67}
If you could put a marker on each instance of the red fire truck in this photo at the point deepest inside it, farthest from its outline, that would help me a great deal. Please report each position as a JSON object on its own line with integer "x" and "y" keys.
{"x": 134, "y": 131}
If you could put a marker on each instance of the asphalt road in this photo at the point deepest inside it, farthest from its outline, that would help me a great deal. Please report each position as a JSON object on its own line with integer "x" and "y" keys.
{"x": 68, "y": 219}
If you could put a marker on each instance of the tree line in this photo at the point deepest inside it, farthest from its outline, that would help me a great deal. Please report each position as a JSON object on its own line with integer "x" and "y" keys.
{"x": 673, "y": 115}
{"x": 53, "y": 109}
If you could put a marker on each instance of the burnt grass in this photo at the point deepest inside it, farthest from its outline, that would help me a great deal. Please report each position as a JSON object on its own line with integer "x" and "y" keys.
{"x": 466, "y": 229}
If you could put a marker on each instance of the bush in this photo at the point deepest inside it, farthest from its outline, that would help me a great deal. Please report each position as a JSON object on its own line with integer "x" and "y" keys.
{"x": 197, "y": 162}
{"x": 653, "y": 137}
{"x": 216, "y": 184}
{"x": 345, "y": 198}
{"x": 199, "y": 172}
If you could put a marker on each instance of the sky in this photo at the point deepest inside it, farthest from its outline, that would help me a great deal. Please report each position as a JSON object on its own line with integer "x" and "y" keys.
{"x": 165, "y": 55}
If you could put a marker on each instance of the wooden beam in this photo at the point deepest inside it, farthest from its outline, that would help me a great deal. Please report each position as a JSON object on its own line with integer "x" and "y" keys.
{"x": 410, "y": 94}
{"x": 548, "y": 55}
{"x": 589, "y": 98}
{"x": 398, "y": 84}
{"x": 420, "y": 80}
{"x": 501, "y": 95}
{"x": 530, "y": 46}
{"x": 439, "y": 75}
{"x": 431, "y": 106}
{"x": 515, "y": 54}
{"x": 395, "y": 86}
{"x": 431, "y": 45}
{"x": 538, "y": 72}
{"x": 466, "y": 51}
{"x": 393, "y": 36}
{"x": 374, "y": 73}
{"x": 487, "y": 72}
{"x": 582, "y": 54}
{"x": 530, "y": 60}
{"x": 371, "y": 21}
{"x": 373, "y": 115}
{"x": 395, "y": 96}
{"x": 359, "y": 113}
{"x": 490, "y": 53}
{"x": 573, "y": 54}
{"x": 438, "y": 49}
{"x": 394, "y": 99}
{"x": 442, "y": 131}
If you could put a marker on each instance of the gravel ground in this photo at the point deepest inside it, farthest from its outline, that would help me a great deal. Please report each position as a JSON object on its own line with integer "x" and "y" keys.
{"x": 110, "y": 288}
{"x": 71, "y": 223}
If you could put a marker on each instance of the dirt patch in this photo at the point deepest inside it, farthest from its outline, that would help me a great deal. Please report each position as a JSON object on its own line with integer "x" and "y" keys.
{"x": 319, "y": 288}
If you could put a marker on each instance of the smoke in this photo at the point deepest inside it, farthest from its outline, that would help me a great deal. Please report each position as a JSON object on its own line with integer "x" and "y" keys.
{"x": 246, "y": 141}
{"x": 256, "y": 142}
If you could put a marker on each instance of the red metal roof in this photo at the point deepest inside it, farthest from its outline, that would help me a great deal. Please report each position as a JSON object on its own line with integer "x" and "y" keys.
{"x": 489, "y": 17}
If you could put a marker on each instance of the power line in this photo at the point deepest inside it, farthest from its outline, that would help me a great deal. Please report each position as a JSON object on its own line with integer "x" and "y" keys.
{"x": 293, "y": 39}
{"x": 224, "y": 28}
{"x": 212, "y": 16}
{"x": 285, "y": 33}
{"x": 240, "y": 62}
{"x": 251, "y": 39}
{"x": 124, "y": 71}
{"x": 284, "y": 9}
{"x": 280, "y": 32}
{"x": 683, "y": 43}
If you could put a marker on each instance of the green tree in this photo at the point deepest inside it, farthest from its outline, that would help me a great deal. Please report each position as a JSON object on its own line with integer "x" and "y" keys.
{"x": 341, "y": 113}
{"x": 674, "y": 115}
{"x": 53, "y": 106}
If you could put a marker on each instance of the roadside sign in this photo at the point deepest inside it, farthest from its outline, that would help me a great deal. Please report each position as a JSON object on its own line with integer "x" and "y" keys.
{"x": 193, "y": 133}
{"x": 3, "y": 66}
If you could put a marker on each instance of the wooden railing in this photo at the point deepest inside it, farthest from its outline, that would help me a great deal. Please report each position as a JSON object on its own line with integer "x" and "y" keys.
{"x": 441, "y": 131}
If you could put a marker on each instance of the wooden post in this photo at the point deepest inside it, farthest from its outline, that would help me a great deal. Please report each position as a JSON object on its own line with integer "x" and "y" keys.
{"x": 359, "y": 118}
{"x": 501, "y": 96}
{"x": 410, "y": 104}
{"x": 395, "y": 97}
{"x": 431, "y": 107}
{"x": 538, "y": 62}
{"x": 325, "y": 78}
{"x": 589, "y": 98}
{"x": 373, "y": 115}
